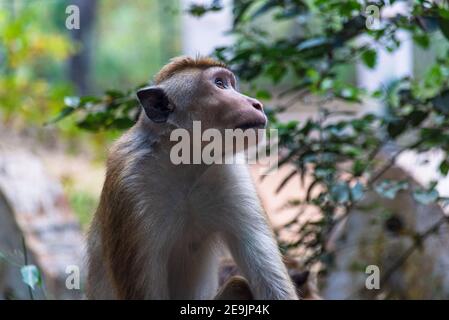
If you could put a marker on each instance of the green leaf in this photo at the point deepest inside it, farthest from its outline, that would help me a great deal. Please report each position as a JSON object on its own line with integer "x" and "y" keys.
{"x": 377, "y": 94}
{"x": 89, "y": 99}
{"x": 396, "y": 127}
{"x": 441, "y": 102}
{"x": 357, "y": 192}
{"x": 426, "y": 196}
{"x": 312, "y": 43}
{"x": 443, "y": 12}
{"x": 94, "y": 121}
{"x": 369, "y": 58}
{"x": 340, "y": 192}
{"x": 349, "y": 93}
{"x": 327, "y": 84}
{"x": 351, "y": 151}
{"x": 30, "y": 275}
{"x": 72, "y": 102}
{"x": 114, "y": 94}
{"x": 64, "y": 113}
{"x": 444, "y": 167}
{"x": 197, "y": 10}
{"x": 276, "y": 71}
{"x": 122, "y": 123}
{"x": 324, "y": 173}
{"x": 422, "y": 40}
{"x": 263, "y": 95}
{"x": 389, "y": 188}
{"x": 444, "y": 26}
{"x": 358, "y": 167}
{"x": 268, "y": 5}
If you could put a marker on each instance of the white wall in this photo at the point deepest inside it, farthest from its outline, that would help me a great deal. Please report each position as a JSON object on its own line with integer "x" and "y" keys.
{"x": 389, "y": 66}
{"x": 202, "y": 35}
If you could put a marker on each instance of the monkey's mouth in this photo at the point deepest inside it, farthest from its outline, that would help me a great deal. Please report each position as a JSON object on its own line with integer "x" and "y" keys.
{"x": 252, "y": 125}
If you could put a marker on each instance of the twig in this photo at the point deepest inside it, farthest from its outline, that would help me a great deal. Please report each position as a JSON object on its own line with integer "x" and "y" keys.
{"x": 378, "y": 174}
{"x": 25, "y": 255}
{"x": 391, "y": 162}
{"x": 417, "y": 243}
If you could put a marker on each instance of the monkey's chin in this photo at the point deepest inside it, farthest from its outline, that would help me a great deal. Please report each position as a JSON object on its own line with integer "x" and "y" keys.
{"x": 251, "y": 125}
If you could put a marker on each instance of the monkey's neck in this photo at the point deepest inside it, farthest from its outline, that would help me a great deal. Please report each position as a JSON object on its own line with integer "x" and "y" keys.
{"x": 155, "y": 131}
{"x": 157, "y": 137}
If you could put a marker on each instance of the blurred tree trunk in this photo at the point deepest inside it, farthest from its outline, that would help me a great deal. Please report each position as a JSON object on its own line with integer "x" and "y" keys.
{"x": 79, "y": 63}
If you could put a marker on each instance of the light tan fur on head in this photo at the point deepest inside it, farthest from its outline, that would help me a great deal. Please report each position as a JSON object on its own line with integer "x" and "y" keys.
{"x": 184, "y": 62}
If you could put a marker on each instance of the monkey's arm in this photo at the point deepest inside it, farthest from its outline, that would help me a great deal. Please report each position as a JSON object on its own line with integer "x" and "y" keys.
{"x": 240, "y": 218}
{"x": 127, "y": 235}
{"x": 256, "y": 253}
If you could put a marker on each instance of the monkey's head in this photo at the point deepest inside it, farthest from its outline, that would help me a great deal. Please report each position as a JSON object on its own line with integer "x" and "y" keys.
{"x": 200, "y": 89}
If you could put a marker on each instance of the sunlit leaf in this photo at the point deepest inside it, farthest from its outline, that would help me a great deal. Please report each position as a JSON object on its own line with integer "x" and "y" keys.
{"x": 30, "y": 275}
{"x": 340, "y": 192}
{"x": 426, "y": 196}
{"x": 312, "y": 43}
{"x": 72, "y": 102}
{"x": 389, "y": 188}
{"x": 357, "y": 192}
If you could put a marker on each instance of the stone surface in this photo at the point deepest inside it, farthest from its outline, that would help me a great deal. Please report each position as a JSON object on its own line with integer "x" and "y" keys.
{"x": 34, "y": 205}
{"x": 363, "y": 240}
{"x": 370, "y": 238}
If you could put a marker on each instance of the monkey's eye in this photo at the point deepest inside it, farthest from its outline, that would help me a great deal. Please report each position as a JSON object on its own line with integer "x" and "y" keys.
{"x": 220, "y": 83}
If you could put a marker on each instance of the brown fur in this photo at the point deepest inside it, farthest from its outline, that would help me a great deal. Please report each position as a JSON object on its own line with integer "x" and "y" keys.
{"x": 236, "y": 288}
{"x": 182, "y": 63}
{"x": 120, "y": 247}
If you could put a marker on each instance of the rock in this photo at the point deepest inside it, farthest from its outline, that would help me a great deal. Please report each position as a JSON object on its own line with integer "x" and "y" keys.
{"x": 34, "y": 206}
{"x": 378, "y": 233}
{"x": 11, "y": 249}
{"x": 368, "y": 237}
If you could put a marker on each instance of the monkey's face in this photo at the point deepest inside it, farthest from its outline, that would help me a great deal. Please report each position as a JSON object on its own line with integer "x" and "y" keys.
{"x": 219, "y": 105}
{"x": 209, "y": 96}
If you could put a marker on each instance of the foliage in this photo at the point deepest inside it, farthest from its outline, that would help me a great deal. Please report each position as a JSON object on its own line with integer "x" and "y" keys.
{"x": 133, "y": 32}
{"x": 28, "y": 53}
{"x": 342, "y": 154}
{"x": 114, "y": 110}
{"x": 339, "y": 151}
{"x": 34, "y": 50}
{"x": 83, "y": 204}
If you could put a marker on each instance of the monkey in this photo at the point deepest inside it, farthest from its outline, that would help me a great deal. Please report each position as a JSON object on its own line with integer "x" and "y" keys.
{"x": 159, "y": 227}
{"x": 236, "y": 288}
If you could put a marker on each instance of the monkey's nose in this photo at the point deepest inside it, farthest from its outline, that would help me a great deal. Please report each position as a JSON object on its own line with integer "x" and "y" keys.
{"x": 257, "y": 104}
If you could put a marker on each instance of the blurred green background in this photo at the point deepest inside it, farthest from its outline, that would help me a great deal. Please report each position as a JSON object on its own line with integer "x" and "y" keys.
{"x": 125, "y": 42}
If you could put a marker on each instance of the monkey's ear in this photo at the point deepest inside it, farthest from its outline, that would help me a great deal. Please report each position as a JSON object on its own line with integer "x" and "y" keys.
{"x": 155, "y": 103}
